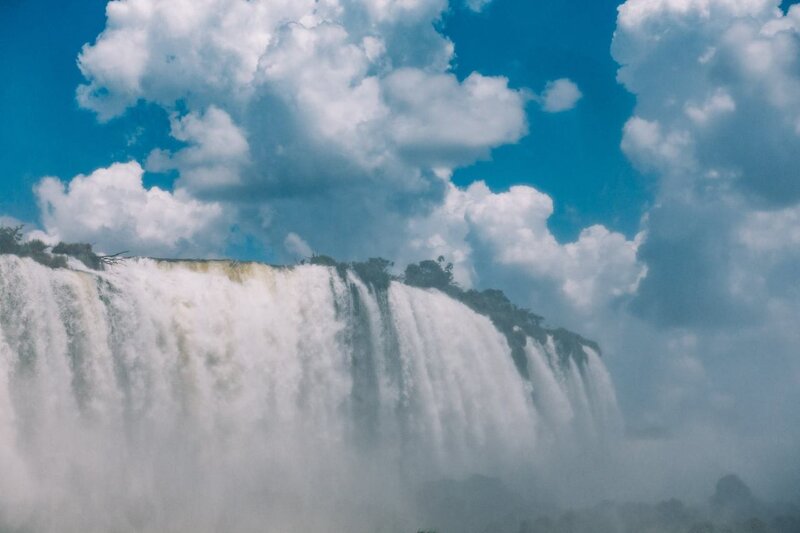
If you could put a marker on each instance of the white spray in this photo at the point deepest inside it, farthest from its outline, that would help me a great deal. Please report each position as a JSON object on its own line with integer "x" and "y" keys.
{"x": 211, "y": 396}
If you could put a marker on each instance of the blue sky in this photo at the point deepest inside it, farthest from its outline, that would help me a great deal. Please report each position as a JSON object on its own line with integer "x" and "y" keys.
{"x": 44, "y": 131}
{"x": 574, "y": 157}
{"x": 627, "y": 171}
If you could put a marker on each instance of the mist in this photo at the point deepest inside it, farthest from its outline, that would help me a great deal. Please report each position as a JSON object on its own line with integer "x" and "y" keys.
{"x": 208, "y": 396}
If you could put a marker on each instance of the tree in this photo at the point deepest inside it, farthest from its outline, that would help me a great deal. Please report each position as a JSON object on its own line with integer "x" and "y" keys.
{"x": 430, "y": 274}
{"x": 374, "y": 271}
{"x": 80, "y": 251}
{"x": 12, "y": 242}
{"x": 10, "y": 239}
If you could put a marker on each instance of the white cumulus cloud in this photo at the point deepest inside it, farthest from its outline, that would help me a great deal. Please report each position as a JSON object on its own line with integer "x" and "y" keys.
{"x": 111, "y": 209}
{"x": 215, "y": 153}
{"x": 560, "y": 95}
{"x": 312, "y": 111}
{"x": 511, "y": 227}
{"x": 721, "y": 137}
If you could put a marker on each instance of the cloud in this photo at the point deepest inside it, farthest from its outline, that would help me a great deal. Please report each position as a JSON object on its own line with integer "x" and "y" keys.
{"x": 650, "y": 148}
{"x": 560, "y": 95}
{"x": 511, "y": 228}
{"x": 112, "y": 210}
{"x": 445, "y": 123}
{"x": 634, "y": 14}
{"x": 721, "y": 136}
{"x": 764, "y": 231}
{"x": 303, "y": 113}
{"x": 216, "y": 151}
{"x": 734, "y": 90}
{"x": 296, "y": 245}
{"x": 345, "y": 81}
{"x": 334, "y": 126}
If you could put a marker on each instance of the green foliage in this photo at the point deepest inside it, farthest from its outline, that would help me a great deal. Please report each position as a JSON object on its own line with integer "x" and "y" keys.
{"x": 430, "y": 274}
{"x": 495, "y": 303}
{"x": 11, "y": 242}
{"x": 514, "y": 322}
{"x": 10, "y": 239}
{"x": 34, "y": 246}
{"x": 37, "y": 250}
{"x": 374, "y": 271}
{"x": 80, "y": 251}
{"x": 570, "y": 345}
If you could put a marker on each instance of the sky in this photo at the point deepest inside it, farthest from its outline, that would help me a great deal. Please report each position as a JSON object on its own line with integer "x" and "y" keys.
{"x": 628, "y": 170}
{"x": 42, "y": 39}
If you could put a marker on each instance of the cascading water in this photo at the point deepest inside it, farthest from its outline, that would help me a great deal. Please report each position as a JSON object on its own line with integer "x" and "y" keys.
{"x": 216, "y": 396}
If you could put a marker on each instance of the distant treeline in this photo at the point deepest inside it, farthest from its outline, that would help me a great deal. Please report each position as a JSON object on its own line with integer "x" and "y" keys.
{"x": 480, "y": 504}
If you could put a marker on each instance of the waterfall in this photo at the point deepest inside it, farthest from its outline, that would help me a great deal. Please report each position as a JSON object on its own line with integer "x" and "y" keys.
{"x": 211, "y": 396}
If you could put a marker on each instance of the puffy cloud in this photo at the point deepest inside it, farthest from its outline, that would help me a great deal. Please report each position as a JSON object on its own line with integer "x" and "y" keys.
{"x": 296, "y": 245}
{"x": 560, "y": 95}
{"x": 112, "y": 210}
{"x": 647, "y": 145}
{"x": 342, "y": 77}
{"x": 772, "y": 230}
{"x": 215, "y": 153}
{"x": 722, "y": 136}
{"x": 511, "y": 227}
{"x": 445, "y": 122}
{"x": 405, "y": 10}
{"x": 308, "y": 111}
{"x": 635, "y": 14}
{"x": 717, "y": 104}
{"x": 159, "y": 51}
{"x": 733, "y": 98}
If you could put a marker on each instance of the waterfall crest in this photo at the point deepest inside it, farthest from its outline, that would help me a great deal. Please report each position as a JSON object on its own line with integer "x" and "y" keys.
{"x": 175, "y": 396}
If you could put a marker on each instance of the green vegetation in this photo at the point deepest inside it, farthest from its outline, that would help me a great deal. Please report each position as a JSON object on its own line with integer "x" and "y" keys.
{"x": 11, "y": 242}
{"x": 430, "y": 274}
{"x": 80, "y": 251}
{"x": 375, "y": 272}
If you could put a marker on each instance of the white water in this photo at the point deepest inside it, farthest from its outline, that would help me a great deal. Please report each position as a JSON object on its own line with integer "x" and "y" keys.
{"x": 180, "y": 396}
